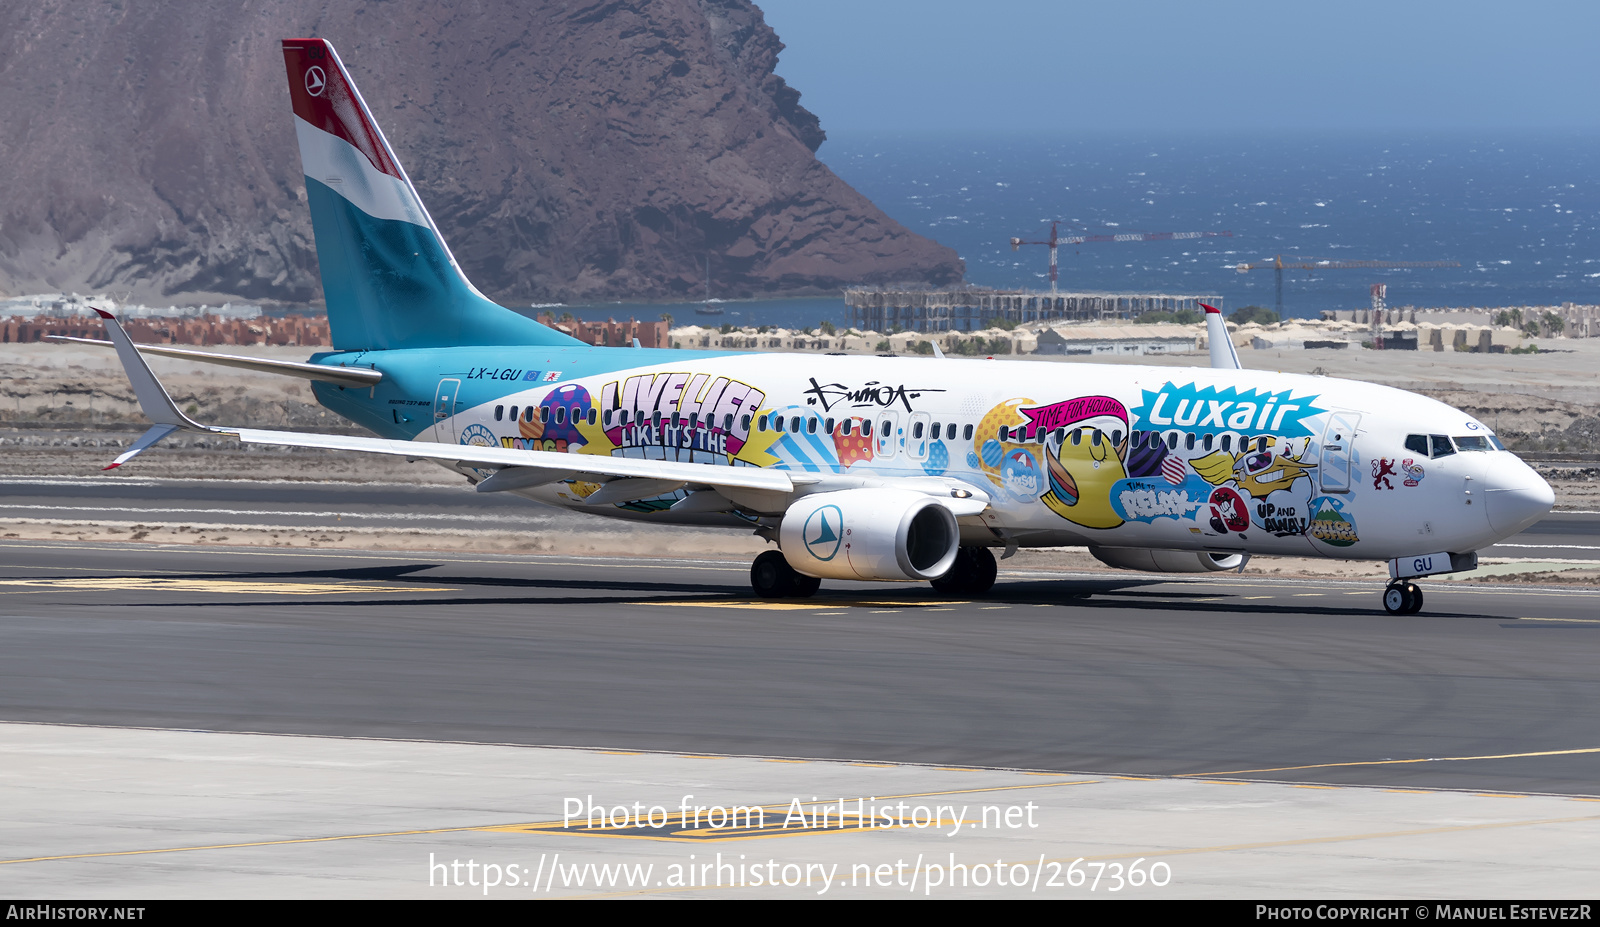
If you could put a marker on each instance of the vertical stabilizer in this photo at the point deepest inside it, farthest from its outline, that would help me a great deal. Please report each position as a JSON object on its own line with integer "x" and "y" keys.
{"x": 389, "y": 279}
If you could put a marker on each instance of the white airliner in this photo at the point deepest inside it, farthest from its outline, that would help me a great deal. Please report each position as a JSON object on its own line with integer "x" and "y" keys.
{"x": 857, "y": 468}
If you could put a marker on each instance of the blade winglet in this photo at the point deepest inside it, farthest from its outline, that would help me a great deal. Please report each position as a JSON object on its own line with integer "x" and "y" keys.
{"x": 153, "y": 399}
{"x": 1223, "y": 356}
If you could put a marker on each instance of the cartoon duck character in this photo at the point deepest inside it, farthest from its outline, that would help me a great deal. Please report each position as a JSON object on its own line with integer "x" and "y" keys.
{"x": 1257, "y": 470}
{"x": 1082, "y": 470}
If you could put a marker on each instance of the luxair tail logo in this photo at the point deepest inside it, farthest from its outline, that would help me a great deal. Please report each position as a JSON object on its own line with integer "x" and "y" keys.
{"x": 1190, "y": 408}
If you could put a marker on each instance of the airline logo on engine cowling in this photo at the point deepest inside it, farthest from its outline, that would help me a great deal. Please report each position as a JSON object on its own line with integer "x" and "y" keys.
{"x": 824, "y": 532}
{"x": 316, "y": 81}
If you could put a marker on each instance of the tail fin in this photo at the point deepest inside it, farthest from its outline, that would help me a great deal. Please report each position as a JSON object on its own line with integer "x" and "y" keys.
{"x": 388, "y": 276}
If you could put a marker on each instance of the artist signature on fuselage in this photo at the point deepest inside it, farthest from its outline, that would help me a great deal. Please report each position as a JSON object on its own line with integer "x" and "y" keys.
{"x": 872, "y": 393}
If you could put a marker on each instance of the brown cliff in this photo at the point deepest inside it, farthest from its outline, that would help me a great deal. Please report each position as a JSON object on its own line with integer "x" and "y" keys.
{"x": 588, "y": 150}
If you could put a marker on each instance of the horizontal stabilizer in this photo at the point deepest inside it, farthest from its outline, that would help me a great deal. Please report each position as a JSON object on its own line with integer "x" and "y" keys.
{"x": 342, "y": 376}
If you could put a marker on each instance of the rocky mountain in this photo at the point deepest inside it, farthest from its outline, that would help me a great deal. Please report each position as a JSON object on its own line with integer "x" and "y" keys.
{"x": 569, "y": 149}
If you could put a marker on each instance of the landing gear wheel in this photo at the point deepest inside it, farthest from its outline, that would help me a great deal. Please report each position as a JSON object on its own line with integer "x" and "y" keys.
{"x": 805, "y": 586}
{"x": 1402, "y": 598}
{"x": 973, "y": 573}
{"x": 772, "y": 577}
{"x": 983, "y": 559}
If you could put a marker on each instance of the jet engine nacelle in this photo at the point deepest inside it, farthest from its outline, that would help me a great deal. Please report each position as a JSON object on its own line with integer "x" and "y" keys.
{"x": 881, "y": 534}
{"x": 1166, "y": 561}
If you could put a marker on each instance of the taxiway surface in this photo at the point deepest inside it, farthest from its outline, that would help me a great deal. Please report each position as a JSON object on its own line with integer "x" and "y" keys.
{"x": 296, "y": 504}
{"x": 1492, "y": 688}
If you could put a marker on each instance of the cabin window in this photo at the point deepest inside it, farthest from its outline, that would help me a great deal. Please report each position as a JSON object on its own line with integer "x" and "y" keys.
{"x": 794, "y": 424}
{"x": 777, "y": 423}
{"x": 1188, "y": 441}
{"x": 830, "y": 426}
{"x": 544, "y": 413}
{"x": 608, "y": 418}
{"x": 561, "y": 415}
{"x": 727, "y": 421}
{"x": 1227, "y": 442}
{"x": 1471, "y": 443}
{"x": 1172, "y": 440}
{"x": 513, "y": 413}
{"x": 916, "y": 431}
{"x": 1116, "y": 436}
{"x": 1002, "y": 434}
{"x": 593, "y": 415}
{"x": 811, "y": 426}
{"x": 655, "y": 419}
{"x": 844, "y": 427}
{"x": 527, "y": 414}
{"x": 1205, "y": 443}
{"x": 694, "y": 419}
{"x": 761, "y": 423}
{"x": 676, "y": 421}
{"x": 866, "y": 428}
{"x": 1077, "y": 436}
{"x": 499, "y": 412}
{"x": 1417, "y": 444}
{"x": 1441, "y": 445}
{"x": 1095, "y": 437}
{"x": 1061, "y": 436}
{"x": 966, "y": 433}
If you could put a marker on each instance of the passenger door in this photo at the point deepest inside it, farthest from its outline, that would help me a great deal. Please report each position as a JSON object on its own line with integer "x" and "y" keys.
{"x": 444, "y": 410}
{"x": 1338, "y": 439}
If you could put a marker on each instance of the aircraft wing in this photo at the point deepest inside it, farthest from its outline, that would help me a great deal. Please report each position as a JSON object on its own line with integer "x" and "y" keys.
{"x": 622, "y": 479}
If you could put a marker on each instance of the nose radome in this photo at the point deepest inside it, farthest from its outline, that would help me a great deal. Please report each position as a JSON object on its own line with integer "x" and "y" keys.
{"x": 1515, "y": 496}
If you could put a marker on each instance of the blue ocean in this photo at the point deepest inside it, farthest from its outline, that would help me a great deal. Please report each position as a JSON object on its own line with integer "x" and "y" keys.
{"x": 1518, "y": 211}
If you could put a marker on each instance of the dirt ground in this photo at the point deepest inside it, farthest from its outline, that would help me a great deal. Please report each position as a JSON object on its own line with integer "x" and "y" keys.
{"x": 67, "y": 409}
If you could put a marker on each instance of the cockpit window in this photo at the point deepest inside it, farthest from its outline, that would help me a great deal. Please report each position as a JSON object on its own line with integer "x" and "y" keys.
{"x": 1472, "y": 443}
{"x": 1496, "y": 442}
{"x": 1441, "y": 445}
{"x": 1417, "y": 444}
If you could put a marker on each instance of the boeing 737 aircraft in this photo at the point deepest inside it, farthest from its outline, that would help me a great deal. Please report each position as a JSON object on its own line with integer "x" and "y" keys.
{"x": 857, "y": 468}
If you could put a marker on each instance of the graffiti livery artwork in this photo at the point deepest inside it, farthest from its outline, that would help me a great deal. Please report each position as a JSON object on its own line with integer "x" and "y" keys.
{"x": 1214, "y": 462}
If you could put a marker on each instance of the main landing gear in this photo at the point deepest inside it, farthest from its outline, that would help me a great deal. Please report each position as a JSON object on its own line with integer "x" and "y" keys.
{"x": 1402, "y": 597}
{"x": 973, "y": 573}
{"x": 773, "y": 578}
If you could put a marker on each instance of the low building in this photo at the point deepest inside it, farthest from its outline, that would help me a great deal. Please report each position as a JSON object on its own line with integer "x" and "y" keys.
{"x": 1101, "y": 340}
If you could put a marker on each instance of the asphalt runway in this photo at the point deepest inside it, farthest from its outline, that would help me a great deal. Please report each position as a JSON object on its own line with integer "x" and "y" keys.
{"x": 290, "y": 504}
{"x": 1492, "y": 688}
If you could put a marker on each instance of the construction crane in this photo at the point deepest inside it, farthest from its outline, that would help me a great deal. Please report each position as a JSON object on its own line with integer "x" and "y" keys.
{"x": 1295, "y": 262}
{"x": 1057, "y": 240}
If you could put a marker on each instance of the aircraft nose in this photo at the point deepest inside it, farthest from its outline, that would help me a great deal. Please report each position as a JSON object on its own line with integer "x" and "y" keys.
{"x": 1515, "y": 497}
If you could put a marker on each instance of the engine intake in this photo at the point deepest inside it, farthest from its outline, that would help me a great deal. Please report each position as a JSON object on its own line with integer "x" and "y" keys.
{"x": 881, "y": 534}
{"x": 1166, "y": 561}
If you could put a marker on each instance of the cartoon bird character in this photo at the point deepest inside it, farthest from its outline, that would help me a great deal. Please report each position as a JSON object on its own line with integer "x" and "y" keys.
{"x": 1082, "y": 470}
{"x": 1258, "y": 472}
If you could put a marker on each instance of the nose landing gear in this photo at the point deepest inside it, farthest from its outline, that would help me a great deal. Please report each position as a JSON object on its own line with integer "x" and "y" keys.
{"x": 1402, "y": 597}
